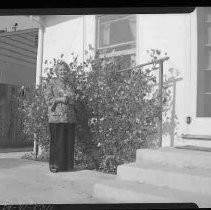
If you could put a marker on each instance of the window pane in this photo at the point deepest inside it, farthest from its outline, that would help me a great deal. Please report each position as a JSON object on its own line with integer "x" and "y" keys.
{"x": 117, "y": 31}
{"x": 208, "y": 34}
{"x": 119, "y": 48}
{"x": 207, "y": 81}
{"x": 104, "y": 35}
{"x": 125, "y": 61}
{"x": 207, "y": 58}
{"x": 204, "y": 63}
{"x": 117, "y": 37}
{"x": 207, "y": 105}
{"x": 107, "y": 18}
{"x": 122, "y": 31}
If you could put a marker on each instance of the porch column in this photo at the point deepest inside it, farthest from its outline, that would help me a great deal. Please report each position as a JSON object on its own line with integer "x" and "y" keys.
{"x": 36, "y": 148}
{"x": 39, "y": 56}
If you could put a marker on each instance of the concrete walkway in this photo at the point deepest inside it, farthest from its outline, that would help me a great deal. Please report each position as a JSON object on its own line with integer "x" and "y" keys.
{"x": 30, "y": 182}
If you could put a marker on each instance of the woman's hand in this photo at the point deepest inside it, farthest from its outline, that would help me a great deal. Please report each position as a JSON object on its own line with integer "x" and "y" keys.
{"x": 62, "y": 100}
{"x": 66, "y": 98}
{"x": 53, "y": 106}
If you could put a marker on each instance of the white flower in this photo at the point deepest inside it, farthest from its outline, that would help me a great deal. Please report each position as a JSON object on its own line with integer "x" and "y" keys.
{"x": 137, "y": 120}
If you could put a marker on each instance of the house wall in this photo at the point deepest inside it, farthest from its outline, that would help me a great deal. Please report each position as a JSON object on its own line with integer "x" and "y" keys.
{"x": 167, "y": 32}
{"x": 11, "y": 125}
{"x": 17, "y": 74}
{"x": 64, "y": 35}
{"x": 18, "y": 55}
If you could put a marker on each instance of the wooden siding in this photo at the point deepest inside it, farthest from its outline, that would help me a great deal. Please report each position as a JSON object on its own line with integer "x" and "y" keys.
{"x": 19, "y": 45}
{"x": 18, "y": 57}
{"x": 11, "y": 124}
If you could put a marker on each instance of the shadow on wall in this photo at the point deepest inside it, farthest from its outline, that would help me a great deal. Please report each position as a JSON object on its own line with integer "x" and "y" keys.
{"x": 171, "y": 120}
{"x": 51, "y": 20}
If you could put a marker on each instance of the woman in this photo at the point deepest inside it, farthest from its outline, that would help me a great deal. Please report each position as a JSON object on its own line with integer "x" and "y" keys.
{"x": 60, "y": 99}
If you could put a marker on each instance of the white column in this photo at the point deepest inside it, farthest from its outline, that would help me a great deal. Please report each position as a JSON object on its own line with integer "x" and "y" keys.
{"x": 39, "y": 56}
{"x": 39, "y": 74}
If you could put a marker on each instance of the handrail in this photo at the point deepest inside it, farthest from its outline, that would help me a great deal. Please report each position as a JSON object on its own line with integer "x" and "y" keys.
{"x": 160, "y": 62}
{"x": 144, "y": 64}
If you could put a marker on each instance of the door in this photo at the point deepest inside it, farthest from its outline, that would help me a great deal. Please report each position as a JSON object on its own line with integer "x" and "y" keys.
{"x": 200, "y": 73}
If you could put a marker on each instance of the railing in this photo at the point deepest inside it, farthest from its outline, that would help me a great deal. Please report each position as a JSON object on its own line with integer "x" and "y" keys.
{"x": 160, "y": 68}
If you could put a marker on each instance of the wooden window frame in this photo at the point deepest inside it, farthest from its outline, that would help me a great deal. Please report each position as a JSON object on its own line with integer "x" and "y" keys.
{"x": 120, "y": 52}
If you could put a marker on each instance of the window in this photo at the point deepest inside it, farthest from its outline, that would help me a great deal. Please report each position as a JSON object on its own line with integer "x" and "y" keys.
{"x": 116, "y": 35}
{"x": 204, "y": 62}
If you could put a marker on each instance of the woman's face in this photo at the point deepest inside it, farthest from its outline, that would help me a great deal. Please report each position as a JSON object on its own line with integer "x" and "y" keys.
{"x": 62, "y": 71}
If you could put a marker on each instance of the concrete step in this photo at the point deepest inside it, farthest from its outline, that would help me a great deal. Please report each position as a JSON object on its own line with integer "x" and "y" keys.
{"x": 177, "y": 157}
{"x": 194, "y": 148}
{"x": 186, "y": 179}
{"x": 118, "y": 191}
{"x": 193, "y": 141}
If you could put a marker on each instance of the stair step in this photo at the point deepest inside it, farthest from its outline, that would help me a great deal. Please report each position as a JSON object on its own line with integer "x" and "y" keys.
{"x": 177, "y": 157}
{"x": 194, "y": 142}
{"x": 195, "y": 148}
{"x": 186, "y": 179}
{"x": 118, "y": 191}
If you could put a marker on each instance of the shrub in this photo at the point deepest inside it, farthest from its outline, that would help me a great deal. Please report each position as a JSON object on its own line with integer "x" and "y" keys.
{"x": 34, "y": 116}
{"x": 31, "y": 156}
{"x": 117, "y": 112}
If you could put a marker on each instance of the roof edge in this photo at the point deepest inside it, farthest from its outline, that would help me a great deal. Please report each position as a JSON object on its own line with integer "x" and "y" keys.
{"x": 100, "y": 10}
{"x": 9, "y": 33}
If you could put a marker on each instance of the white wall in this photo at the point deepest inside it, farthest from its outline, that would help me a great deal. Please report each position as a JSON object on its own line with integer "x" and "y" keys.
{"x": 64, "y": 35}
{"x": 169, "y": 33}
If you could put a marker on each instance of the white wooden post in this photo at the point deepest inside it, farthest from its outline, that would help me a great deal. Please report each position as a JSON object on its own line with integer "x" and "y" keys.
{"x": 37, "y": 148}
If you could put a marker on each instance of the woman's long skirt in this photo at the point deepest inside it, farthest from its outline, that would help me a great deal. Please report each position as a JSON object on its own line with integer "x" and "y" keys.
{"x": 62, "y": 146}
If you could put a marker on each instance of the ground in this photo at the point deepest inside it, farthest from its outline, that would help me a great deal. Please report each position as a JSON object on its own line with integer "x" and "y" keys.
{"x": 31, "y": 182}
